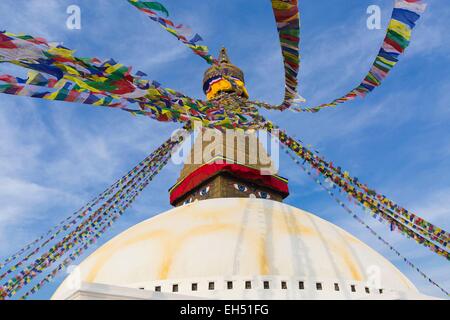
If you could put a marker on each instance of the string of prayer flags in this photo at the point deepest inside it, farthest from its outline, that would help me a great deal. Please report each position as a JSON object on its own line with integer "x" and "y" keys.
{"x": 373, "y": 198}
{"x": 398, "y": 36}
{"x": 287, "y": 17}
{"x": 57, "y": 74}
{"x": 329, "y": 190}
{"x": 183, "y": 33}
{"x": 402, "y": 225}
{"x": 98, "y": 220}
{"x": 72, "y": 220}
{"x": 58, "y": 63}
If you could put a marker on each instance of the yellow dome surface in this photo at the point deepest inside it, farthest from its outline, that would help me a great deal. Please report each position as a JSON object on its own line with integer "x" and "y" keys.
{"x": 237, "y": 239}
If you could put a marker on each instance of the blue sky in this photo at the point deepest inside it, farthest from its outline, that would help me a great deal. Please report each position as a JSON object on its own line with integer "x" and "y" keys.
{"x": 55, "y": 156}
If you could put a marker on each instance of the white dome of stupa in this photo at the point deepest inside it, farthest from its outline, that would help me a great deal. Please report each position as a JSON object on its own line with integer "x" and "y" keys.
{"x": 242, "y": 248}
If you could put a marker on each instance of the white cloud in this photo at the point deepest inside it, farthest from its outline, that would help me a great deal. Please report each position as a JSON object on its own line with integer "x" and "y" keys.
{"x": 34, "y": 17}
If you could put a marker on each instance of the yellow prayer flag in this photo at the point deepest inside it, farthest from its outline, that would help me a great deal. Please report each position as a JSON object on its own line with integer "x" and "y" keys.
{"x": 401, "y": 28}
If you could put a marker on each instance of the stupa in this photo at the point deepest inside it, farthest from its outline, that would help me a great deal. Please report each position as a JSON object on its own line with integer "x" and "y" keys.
{"x": 230, "y": 236}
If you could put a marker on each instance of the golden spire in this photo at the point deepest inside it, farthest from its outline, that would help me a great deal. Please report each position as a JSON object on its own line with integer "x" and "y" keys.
{"x": 223, "y": 56}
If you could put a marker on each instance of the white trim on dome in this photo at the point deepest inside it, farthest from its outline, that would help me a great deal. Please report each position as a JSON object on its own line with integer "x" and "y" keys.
{"x": 295, "y": 288}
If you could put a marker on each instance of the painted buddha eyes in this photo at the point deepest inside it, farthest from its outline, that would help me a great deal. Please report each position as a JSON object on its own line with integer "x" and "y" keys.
{"x": 263, "y": 195}
{"x": 259, "y": 194}
{"x": 204, "y": 191}
{"x": 240, "y": 187}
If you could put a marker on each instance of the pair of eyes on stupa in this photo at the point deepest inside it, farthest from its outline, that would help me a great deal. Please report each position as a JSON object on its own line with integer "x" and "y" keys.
{"x": 245, "y": 189}
{"x": 203, "y": 192}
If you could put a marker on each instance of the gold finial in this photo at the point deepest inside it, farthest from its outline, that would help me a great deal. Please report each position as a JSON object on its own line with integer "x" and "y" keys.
{"x": 223, "y": 56}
